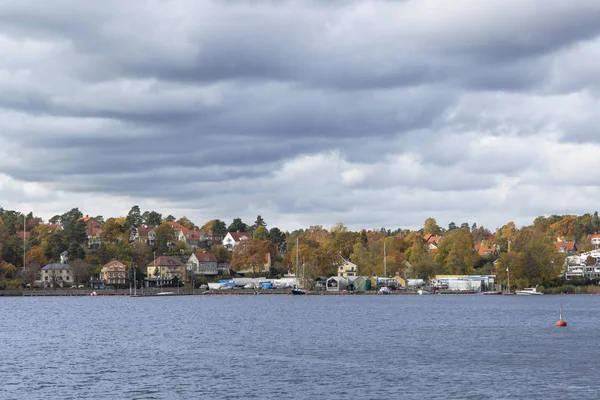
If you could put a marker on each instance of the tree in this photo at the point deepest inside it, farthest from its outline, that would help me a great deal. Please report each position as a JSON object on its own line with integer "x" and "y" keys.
{"x": 134, "y": 218}
{"x": 112, "y": 231}
{"x": 237, "y": 226}
{"x": 12, "y": 251}
{"x": 151, "y": 218}
{"x": 170, "y": 218}
{"x": 259, "y": 222}
{"x": 344, "y": 242}
{"x": 277, "y": 238}
{"x": 81, "y": 272}
{"x": 261, "y": 233}
{"x": 430, "y": 226}
{"x": 338, "y": 228}
{"x": 36, "y": 255}
{"x": 187, "y": 223}
{"x": 455, "y": 252}
{"x": 221, "y": 254}
{"x": 57, "y": 243}
{"x": 30, "y": 273}
{"x": 451, "y": 226}
{"x": 464, "y": 225}
{"x": 250, "y": 254}
{"x": 164, "y": 237}
{"x": 565, "y": 227}
{"x": 75, "y": 252}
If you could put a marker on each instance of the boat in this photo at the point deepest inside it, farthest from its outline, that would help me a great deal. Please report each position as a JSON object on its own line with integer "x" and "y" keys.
{"x": 165, "y": 293}
{"x": 385, "y": 290}
{"x": 299, "y": 289}
{"x": 532, "y": 291}
{"x": 423, "y": 292}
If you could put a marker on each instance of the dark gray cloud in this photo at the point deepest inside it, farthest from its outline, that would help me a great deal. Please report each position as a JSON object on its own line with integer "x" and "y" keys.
{"x": 306, "y": 112}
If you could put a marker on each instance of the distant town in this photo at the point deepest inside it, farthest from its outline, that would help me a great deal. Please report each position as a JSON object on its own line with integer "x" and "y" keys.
{"x": 144, "y": 250}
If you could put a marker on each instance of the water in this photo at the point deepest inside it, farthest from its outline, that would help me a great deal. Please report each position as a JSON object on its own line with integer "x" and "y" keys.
{"x": 300, "y": 347}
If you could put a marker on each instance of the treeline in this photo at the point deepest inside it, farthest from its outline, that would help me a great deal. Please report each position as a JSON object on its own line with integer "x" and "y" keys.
{"x": 528, "y": 252}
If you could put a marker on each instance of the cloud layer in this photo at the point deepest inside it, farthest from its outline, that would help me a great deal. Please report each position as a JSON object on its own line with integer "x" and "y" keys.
{"x": 374, "y": 113}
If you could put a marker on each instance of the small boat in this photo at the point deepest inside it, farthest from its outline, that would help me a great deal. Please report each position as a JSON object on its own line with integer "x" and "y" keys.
{"x": 165, "y": 293}
{"x": 299, "y": 292}
{"x": 423, "y": 292}
{"x": 385, "y": 290}
{"x": 532, "y": 291}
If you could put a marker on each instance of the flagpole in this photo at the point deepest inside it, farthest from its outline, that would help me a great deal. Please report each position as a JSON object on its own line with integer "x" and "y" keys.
{"x": 508, "y": 271}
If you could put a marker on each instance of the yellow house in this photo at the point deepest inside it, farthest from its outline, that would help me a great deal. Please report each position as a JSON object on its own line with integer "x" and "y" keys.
{"x": 166, "y": 267}
{"x": 347, "y": 269}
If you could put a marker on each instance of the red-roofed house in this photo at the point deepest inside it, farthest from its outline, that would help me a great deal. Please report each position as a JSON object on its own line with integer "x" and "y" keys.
{"x": 165, "y": 267}
{"x": 92, "y": 229}
{"x": 22, "y": 235}
{"x": 566, "y": 247}
{"x": 432, "y": 241}
{"x": 233, "y": 238}
{"x": 594, "y": 240}
{"x": 485, "y": 250}
{"x": 201, "y": 263}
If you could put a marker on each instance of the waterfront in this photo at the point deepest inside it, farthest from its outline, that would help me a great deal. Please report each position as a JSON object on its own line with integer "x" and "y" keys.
{"x": 301, "y": 347}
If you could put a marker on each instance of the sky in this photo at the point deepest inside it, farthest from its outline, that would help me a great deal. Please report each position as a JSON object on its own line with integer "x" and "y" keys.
{"x": 308, "y": 112}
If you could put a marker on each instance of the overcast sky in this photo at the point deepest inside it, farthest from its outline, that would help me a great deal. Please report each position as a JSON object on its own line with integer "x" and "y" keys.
{"x": 308, "y": 112}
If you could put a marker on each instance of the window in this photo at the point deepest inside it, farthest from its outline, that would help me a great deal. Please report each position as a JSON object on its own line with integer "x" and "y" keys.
{"x": 67, "y": 277}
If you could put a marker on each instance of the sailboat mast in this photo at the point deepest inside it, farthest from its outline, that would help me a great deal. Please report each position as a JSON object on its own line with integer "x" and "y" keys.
{"x": 384, "y": 260}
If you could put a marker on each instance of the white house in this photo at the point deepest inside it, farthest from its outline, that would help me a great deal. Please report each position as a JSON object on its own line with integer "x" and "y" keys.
{"x": 233, "y": 238}
{"x": 57, "y": 274}
{"x": 202, "y": 264}
{"x": 584, "y": 265}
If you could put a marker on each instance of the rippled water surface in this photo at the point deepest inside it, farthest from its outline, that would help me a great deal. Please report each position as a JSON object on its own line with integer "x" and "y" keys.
{"x": 300, "y": 347}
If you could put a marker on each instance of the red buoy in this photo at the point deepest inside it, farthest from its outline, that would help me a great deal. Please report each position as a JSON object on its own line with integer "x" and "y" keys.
{"x": 560, "y": 321}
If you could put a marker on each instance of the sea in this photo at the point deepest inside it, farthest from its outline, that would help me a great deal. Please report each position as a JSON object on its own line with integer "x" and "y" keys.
{"x": 300, "y": 347}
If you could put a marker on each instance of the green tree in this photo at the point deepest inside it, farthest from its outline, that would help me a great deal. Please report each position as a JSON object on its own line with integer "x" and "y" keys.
{"x": 151, "y": 218}
{"x": 278, "y": 238}
{"x": 237, "y": 225}
{"x": 431, "y": 227}
{"x": 134, "y": 218}
{"x": 261, "y": 233}
{"x": 170, "y": 218}
{"x": 164, "y": 237}
{"x": 455, "y": 252}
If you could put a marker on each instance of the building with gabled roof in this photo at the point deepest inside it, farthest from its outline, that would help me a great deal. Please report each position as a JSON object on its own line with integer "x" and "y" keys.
{"x": 233, "y": 238}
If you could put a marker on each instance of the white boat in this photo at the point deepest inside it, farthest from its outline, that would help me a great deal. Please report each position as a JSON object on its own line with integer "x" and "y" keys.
{"x": 165, "y": 293}
{"x": 531, "y": 291}
{"x": 385, "y": 290}
{"x": 423, "y": 292}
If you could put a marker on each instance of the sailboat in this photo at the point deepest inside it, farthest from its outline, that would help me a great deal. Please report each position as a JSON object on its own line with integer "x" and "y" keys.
{"x": 384, "y": 289}
{"x": 299, "y": 289}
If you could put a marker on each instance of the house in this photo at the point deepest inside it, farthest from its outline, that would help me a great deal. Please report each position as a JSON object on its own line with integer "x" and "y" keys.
{"x": 432, "y": 241}
{"x": 233, "y": 238}
{"x": 24, "y": 235}
{"x": 113, "y": 272}
{"x": 92, "y": 230}
{"x": 201, "y": 263}
{"x": 165, "y": 267}
{"x": 144, "y": 234}
{"x": 585, "y": 265}
{"x": 594, "y": 240}
{"x": 57, "y": 275}
{"x": 485, "y": 250}
{"x": 566, "y": 247}
{"x": 192, "y": 238}
{"x": 347, "y": 269}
